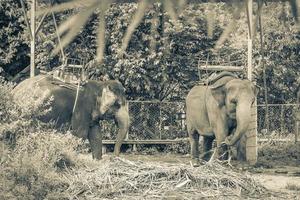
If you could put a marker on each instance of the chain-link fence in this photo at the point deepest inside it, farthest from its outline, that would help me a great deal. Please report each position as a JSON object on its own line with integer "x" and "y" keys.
{"x": 280, "y": 118}
{"x": 166, "y": 120}
{"x": 152, "y": 120}
{"x": 157, "y": 120}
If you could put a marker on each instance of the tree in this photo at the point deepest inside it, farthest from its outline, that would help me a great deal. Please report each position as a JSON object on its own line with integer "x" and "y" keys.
{"x": 282, "y": 55}
{"x": 14, "y": 48}
{"x": 161, "y": 61}
{"x": 172, "y": 8}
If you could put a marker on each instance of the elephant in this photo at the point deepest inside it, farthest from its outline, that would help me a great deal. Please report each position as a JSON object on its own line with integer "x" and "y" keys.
{"x": 95, "y": 101}
{"x": 220, "y": 110}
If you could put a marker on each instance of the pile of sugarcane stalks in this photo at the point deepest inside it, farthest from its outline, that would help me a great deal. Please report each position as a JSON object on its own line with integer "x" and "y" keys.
{"x": 118, "y": 178}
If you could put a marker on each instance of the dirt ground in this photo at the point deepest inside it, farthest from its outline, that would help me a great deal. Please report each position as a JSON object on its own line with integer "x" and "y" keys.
{"x": 281, "y": 179}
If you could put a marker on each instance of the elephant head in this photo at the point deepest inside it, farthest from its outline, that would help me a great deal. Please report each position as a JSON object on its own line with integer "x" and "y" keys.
{"x": 236, "y": 97}
{"x": 96, "y": 100}
{"x": 110, "y": 97}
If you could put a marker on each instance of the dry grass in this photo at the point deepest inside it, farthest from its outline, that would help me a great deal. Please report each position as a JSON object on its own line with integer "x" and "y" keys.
{"x": 118, "y": 178}
{"x": 273, "y": 153}
{"x": 292, "y": 186}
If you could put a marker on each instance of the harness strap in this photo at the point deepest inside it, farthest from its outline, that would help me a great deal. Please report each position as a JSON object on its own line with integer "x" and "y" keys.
{"x": 76, "y": 98}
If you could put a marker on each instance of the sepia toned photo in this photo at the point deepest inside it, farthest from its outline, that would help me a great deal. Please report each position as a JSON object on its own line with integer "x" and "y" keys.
{"x": 149, "y": 99}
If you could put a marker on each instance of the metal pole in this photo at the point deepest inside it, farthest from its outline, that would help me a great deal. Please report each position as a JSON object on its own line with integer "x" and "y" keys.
{"x": 39, "y": 26}
{"x": 264, "y": 68}
{"x": 249, "y": 11}
{"x": 297, "y": 116}
{"x": 160, "y": 121}
{"x": 32, "y": 42}
{"x": 297, "y": 131}
{"x": 281, "y": 119}
{"x": 251, "y": 141}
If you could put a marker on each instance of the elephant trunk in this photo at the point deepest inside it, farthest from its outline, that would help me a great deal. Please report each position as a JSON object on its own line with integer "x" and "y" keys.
{"x": 122, "y": 117}
{"x": 243, "y": 118}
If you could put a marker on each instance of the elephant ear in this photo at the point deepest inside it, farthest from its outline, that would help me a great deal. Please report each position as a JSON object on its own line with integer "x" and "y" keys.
{"x": 108, "y": 98}
{"x": 218, "y": 89}
{"x": 255, "y": 89}
{"x": 81, "y": 117}
{"x": 219, "y": 94}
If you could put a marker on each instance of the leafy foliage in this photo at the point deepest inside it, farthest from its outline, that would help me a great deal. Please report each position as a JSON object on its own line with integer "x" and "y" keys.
{"x": 13, "y": 37}
{"x": 162, "y": 55}
{"x": 282, "y": 55}
{"x": 161, "y": 61}
{"x": 173, "y": 8}
{"x": 32, "y": 154}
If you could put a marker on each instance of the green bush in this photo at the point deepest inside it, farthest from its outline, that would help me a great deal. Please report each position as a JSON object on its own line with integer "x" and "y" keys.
{"x": 33, "y": 169}
{"x": 32, "y": 155}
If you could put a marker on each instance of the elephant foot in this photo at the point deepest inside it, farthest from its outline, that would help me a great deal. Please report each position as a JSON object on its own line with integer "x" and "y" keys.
{"x": 206, "y": 157}
{"x": 221, "y": 152}
{"x": 195, "y": 162}
{"x": 97, "y": 158}
{"x": 116, "y": 153}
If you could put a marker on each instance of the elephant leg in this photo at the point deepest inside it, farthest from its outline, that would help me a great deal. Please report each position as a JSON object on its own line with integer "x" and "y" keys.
{"x": 194, "y": 141}
{"x": 241, "y": 148}
{"x": 95, "y": 139}
{"x": 222, "y": 149}
{"x": 122, "y": 120}
{"x": 207, "y": 146}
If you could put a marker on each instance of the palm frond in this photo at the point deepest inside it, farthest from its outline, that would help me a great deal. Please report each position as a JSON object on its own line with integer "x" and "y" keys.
{"x": 210, "y": 18}
{"x": 258, "y": 14}
{"x": 67, "y": 24}
{"x": 181, "y": 5}
{"x": 154, "y": 26}
{"x": 229, "y": 28}
{"x": 73, "y": 26}
{"x": 142, "y": 6}
{"x": 169, "y": 8}
{"x": 66, "y": 6}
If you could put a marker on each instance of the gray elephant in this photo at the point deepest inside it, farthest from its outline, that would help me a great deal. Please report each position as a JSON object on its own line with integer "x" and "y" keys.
{"x": 220, "y": 110}
{"x": 95, "y": 101}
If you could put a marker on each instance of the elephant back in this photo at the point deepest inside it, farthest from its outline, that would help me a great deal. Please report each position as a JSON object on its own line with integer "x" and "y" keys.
{"x": 39, "y": 93}
{"x": 31, "y": 88}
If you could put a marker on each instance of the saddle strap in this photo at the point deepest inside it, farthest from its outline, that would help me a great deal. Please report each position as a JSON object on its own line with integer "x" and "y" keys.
{"x": 76, "y": 98}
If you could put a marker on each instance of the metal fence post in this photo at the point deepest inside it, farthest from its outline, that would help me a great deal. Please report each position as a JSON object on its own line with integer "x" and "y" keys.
{"x": 281, "y": 119}
{"x": 32, "y": 42}
{"x": 297, "y": 131}
{"x": 127, "y": 134}
{"x": 160, "y": 120}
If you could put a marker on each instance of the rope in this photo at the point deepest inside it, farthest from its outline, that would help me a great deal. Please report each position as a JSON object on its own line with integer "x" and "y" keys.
{"x": 58, "y": 37}
{"x": 215, "y": 149}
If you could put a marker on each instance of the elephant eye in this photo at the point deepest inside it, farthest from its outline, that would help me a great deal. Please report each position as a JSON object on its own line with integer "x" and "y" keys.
{"x": 233, "y": 101}
{"x": 253, "y": 100}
